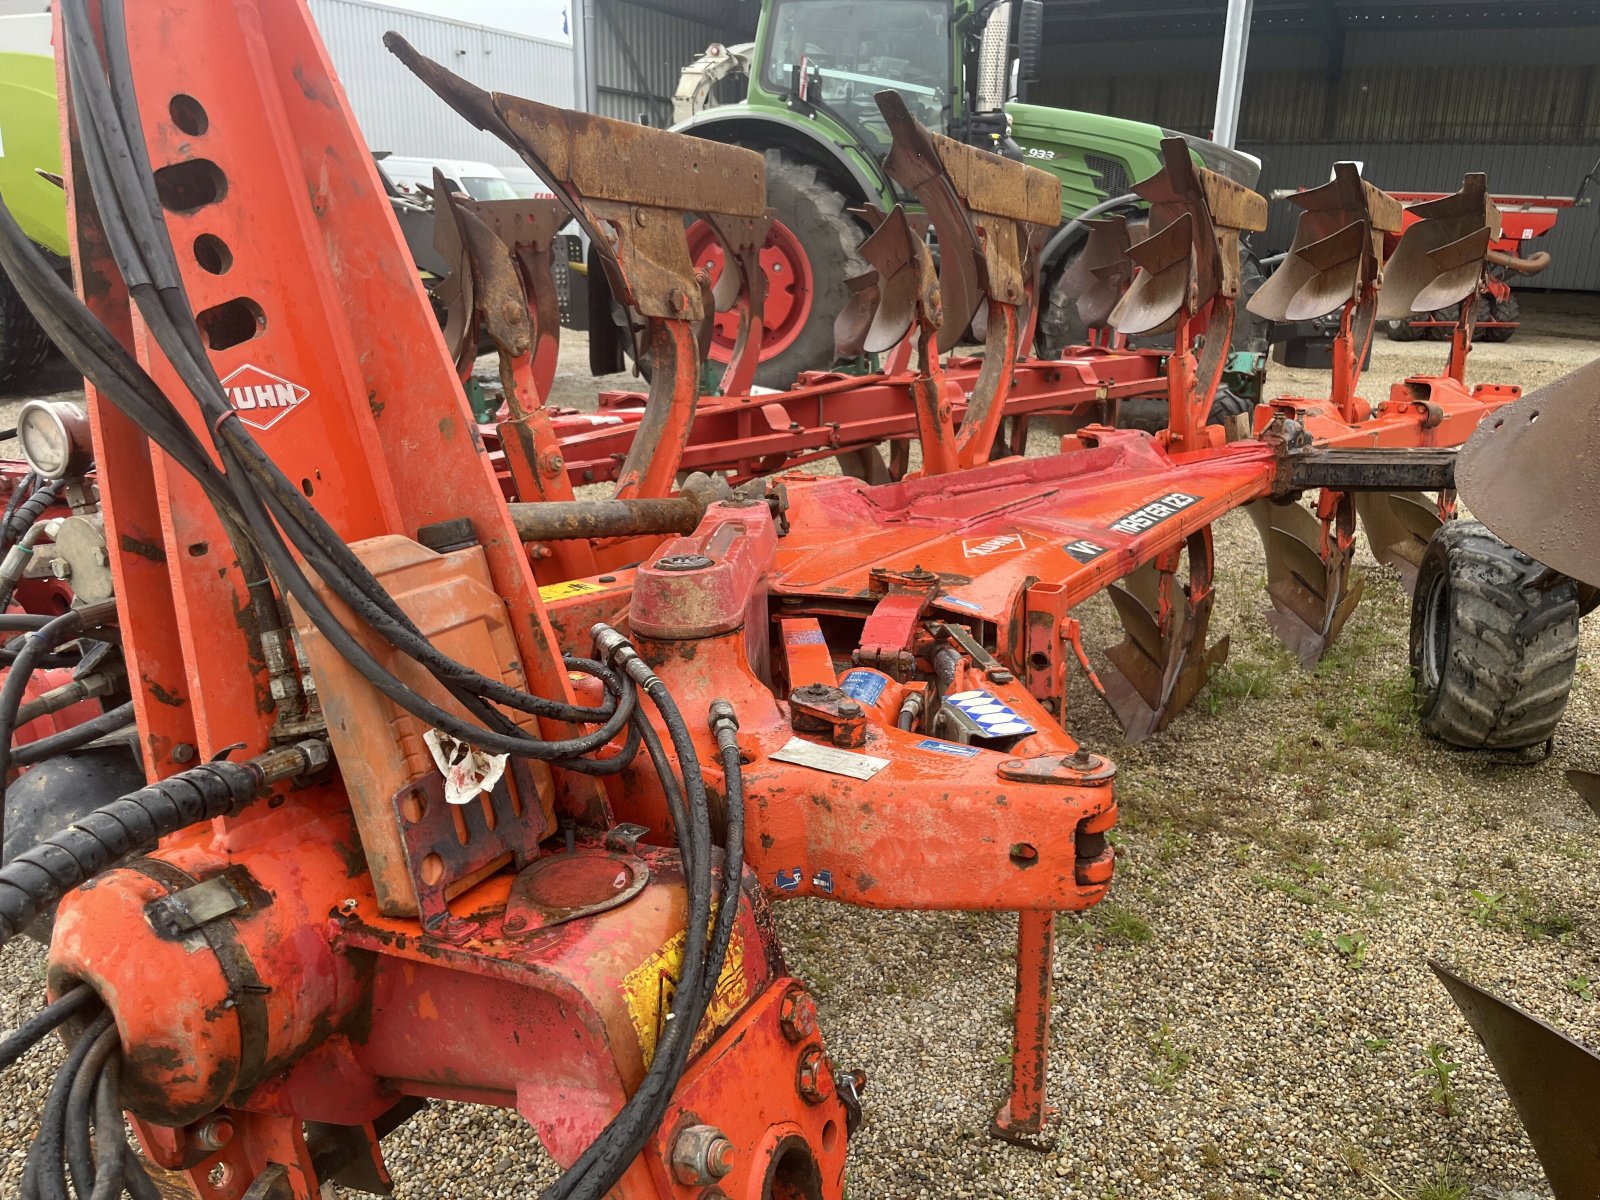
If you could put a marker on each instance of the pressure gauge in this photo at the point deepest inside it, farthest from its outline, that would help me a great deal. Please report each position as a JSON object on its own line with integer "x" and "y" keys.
{"x": 55, "y": 437}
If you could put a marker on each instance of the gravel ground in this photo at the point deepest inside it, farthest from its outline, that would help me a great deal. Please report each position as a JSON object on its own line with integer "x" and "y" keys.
{"x": 1250, "y": 1014}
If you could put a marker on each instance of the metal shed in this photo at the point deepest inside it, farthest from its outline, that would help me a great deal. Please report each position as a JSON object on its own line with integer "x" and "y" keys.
{"x": 1420, "y": 91}
{"x": 398, "y": 113}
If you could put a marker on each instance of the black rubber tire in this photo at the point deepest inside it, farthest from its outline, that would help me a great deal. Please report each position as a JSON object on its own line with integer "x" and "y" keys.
{"x": 1494, "y": 641}
{"x": 23, "y": 345}
{"x": 1401, "y": 331}
{"x": 1149, "y": 413}
{"x": 1060, "y": 325}
{"x": 812, "y": 204}
{"x": 1507, "y": 310}
{"x": 1250, "y": 332}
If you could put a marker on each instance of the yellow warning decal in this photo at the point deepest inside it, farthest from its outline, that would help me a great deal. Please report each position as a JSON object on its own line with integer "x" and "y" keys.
{"x": 650, "y": 987}
{"x": 573, "y": 587}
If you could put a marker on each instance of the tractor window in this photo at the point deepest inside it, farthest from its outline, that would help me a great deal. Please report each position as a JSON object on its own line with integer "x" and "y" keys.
{"x": 852, "y": 51}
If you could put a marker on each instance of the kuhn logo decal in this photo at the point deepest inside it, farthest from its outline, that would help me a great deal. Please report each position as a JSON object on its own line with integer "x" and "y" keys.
{"x": 1000, "y": 543}
{"x": 1152, "y": 514}
{"x": 261, "y": 398}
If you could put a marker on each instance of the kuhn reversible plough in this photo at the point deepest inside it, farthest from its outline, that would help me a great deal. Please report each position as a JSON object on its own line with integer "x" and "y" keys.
{"x": 454, "y": 798}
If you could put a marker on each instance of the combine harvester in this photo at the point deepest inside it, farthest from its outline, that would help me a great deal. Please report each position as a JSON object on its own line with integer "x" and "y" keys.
{"x": 450, "y": 797}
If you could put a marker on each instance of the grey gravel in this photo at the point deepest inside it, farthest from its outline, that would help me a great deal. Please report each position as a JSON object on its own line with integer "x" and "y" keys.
{"x": 1213, "y": 1038}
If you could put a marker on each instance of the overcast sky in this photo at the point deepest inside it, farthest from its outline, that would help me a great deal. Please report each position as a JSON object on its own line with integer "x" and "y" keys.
{"x": 542, "y": 18}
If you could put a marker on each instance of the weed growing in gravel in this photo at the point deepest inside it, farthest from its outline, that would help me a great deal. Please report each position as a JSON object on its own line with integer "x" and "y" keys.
{"x": 1581, "y": 987}
{"x": 1486, "y": 907}
{"x": 1354, "y": 948}
{"x": 1240, "y": 680}
{"x": 1538, "y": 920}
{"x": 1443, "y": 1186}
{"x": 1109, "y": 923}
{"x": 1171, "y": 1060}
{"x": 1382, "y": 837}
{"x": 1436, "y": 1072}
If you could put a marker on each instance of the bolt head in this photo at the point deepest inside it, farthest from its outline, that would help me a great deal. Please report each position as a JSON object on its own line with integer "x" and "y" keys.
{"x": 849, "y": 708}
{"x": 701, "y": 1154}
{"x": 183, "y": 752}
{"x": 812, "y": 1077}
{"x": 798, "y": 1015}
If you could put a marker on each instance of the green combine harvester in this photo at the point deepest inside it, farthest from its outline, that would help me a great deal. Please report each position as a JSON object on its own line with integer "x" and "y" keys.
{"x": 30, "y": 142}
{"x": 812, "y": 73}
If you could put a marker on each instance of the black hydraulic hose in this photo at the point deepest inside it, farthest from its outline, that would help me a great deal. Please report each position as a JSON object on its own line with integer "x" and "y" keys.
{"x": 35, "y": 645}
{"x": 50, "y": 1145}
{"x": 75, "y": 738}
{"x": 31, "y": 509}
{"x": 37, "y": 1027}
{"x": 37, "y": 878}
{"x": 80, "y": 1102}
{"x": 112, "y": 1157}
{"x": 21, "y": 492}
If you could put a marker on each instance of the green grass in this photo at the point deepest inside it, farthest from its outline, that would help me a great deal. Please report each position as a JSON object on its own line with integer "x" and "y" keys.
{"x": 1443, "y": 1186}
{"x": 1108, "y": 923}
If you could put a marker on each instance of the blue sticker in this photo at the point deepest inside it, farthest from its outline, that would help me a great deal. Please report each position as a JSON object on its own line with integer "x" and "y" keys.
{"x": 789, "y": 881}
{"x": 865, "y": 686}
{"x": 950, "y": 748}
{"x": 804, "y": 637}
{"x": 823, "y": 882}
{"x": 960, "y": 603}
{"x": 992, "y": 716}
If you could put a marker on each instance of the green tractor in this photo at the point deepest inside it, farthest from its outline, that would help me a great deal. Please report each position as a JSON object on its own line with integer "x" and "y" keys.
{"x": 32, "y": 143}
{"x": 812, "y": 72}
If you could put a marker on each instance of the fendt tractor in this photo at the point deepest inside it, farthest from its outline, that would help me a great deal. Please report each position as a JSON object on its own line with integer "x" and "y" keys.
{"x": 812, "y": 73}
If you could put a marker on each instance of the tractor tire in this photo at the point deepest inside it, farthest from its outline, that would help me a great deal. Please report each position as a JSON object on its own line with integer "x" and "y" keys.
{"x": 1401, "y": 331}
{"x": 1507, "y": 310}
{"x": 1148, "y": 414}
{"x": 23, "y": 345}
{"x": 1494, "y": 641}
{"x": 812, "y": 206}
{"x": 1060, "y": 325}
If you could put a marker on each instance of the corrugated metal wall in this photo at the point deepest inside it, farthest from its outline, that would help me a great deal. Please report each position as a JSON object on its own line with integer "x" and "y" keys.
{"x": 1521, "y": 105}
{"x": 398, "y": 113}
{"x": 639, "y": 52}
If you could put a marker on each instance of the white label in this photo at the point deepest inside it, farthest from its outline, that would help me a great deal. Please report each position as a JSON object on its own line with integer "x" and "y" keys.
{"x": 1000, "y": 543}
{"x": 830, "y": 759}
{"x": 261, "y": 398}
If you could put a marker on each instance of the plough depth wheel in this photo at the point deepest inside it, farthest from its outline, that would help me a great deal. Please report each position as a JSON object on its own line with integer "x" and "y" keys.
{"x": 1494, "y": 640}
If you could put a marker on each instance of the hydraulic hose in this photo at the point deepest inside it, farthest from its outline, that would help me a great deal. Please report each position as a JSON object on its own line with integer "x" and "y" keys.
{"x": 35, "y": 646}
{"x": 37, "y": 1027}
{"x": 75, "y": 738}
{"x": 29, "y": 511}
{"x": 37, "y": 878}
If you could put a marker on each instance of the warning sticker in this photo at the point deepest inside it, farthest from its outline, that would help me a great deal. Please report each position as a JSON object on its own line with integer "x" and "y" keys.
{"x": 951, "y": 749}
{"x": 865, "y": 686}
{"x": 1000, "y": 543}
{"x": 650, "y": 987}
{"x": 572, "y": 587}
{"x": 827, "y": 758}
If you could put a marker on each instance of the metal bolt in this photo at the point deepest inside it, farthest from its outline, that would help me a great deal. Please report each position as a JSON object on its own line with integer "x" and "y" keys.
{"x": 812, "y": 1076}
{"x": 60, "y": 568}
{"x": 347, "y": 907}
{"x": 214, "y": 1133}
{"x": 701, "y": 1154}
{"x": 1080, "y": 758}
{"x": 183, "y": 752}
{"x": 514, "y": 922}
{"x": 798, "y": 1015}
{"x": 849, "y": 708}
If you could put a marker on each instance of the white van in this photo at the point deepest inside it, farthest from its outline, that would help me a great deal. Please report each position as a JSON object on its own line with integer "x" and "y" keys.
{"x": 480, "y": 180}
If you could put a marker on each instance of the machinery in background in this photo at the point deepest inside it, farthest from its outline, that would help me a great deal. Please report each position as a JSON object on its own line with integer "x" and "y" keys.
{"x": 812, "y": 74}
{"x": 1496, "y": 315}
{"x": 450, "y": 797}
